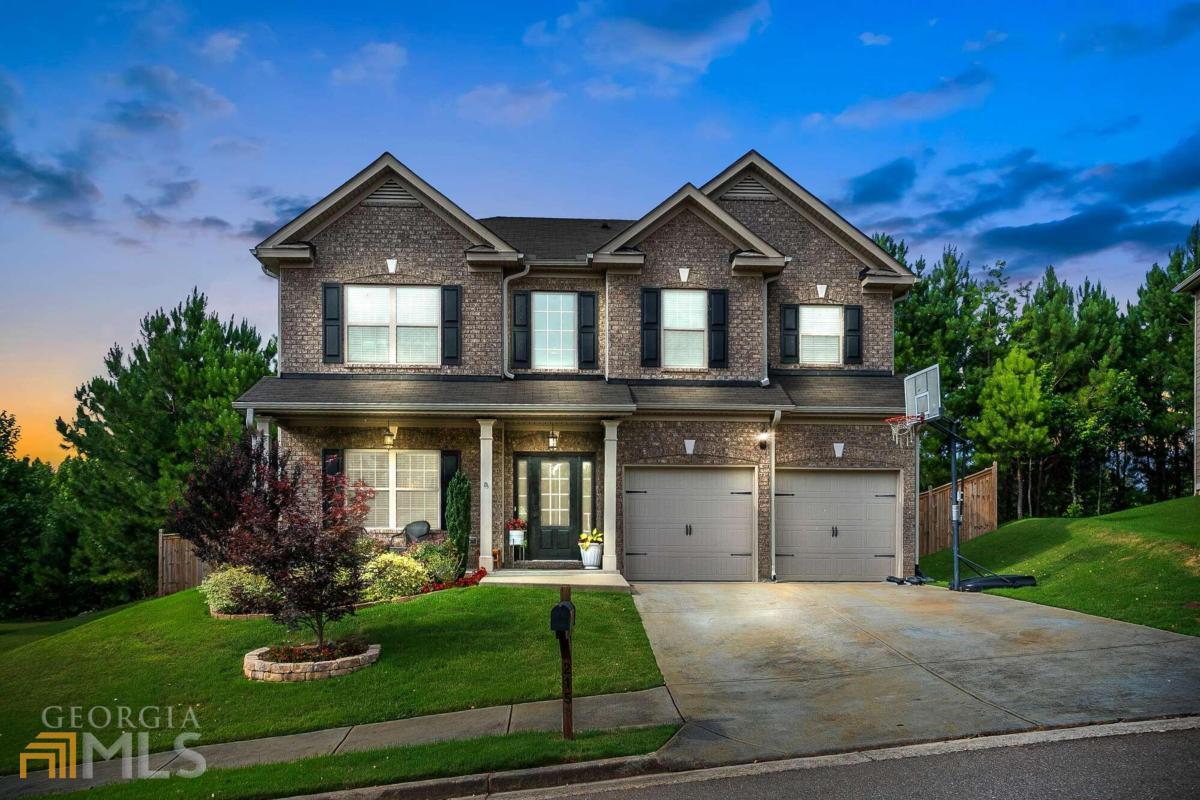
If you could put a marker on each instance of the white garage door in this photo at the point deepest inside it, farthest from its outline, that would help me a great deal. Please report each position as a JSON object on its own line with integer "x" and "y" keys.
{"x": 835, "y": 525}
{"x": 689, "y": 524}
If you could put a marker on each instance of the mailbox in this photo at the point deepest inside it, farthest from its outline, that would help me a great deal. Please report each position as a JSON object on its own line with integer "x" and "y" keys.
{"x": 562, "y": 618}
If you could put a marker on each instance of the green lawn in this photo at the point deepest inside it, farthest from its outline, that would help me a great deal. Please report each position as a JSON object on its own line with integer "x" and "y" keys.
{"x": 16, "y": 634}
{"x": 1140, "y": 565}
{"x": 394, "y": 765}
{"x": 462, "y": 648}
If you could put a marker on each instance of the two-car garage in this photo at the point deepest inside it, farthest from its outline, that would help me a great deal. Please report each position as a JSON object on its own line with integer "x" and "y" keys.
{"x": 699, "y": 524}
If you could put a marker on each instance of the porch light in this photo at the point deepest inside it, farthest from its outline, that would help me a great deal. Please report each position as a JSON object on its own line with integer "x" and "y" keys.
{"x": 763, "y": 436}
{"x": 552, "y": 440}
{"x": 389, "y": 438}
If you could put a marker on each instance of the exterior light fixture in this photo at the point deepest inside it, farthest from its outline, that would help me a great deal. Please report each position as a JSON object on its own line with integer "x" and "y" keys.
{"x": 683, "y": 273}
{"x": 389, "y": 438}
{"x": 763, "y": 436}
{"x": 391, "y": 265}
{"x": 552, "y": 440}
{"x": 838, "y": 449}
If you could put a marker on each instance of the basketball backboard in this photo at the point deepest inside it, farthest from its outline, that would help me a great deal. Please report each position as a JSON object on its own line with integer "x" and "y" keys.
{"x": 923, "y": 393}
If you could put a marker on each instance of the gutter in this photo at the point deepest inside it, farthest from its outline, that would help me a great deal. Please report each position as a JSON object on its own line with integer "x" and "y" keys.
{"x": 766, "y": 332}
{"x": 778, "y": 415}
{"x": 435, "y": 410}
{"x": 504, "y": 371}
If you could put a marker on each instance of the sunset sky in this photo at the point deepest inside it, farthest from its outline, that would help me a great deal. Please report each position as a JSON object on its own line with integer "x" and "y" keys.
{"x": 145, "y": 146}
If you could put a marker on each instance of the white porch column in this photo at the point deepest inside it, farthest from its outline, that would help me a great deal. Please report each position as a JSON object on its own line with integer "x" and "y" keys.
{"x": 609, "y": 563}
{"x": 485, "y": 494}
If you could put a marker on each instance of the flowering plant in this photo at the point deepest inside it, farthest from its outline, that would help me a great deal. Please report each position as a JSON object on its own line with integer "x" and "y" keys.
{"x": 595, "y": 537}
{"x": 517, "y": 524}
{"x": 467, "y": 580}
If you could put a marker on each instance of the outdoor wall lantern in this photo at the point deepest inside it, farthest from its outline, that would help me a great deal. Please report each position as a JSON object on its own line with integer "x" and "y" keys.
{"x": 391, "y": 265}
{"x": 389, "y": 438}
{"x": 552, "y": 440}
{"x": 683, "y": 273}
{"x": 838, "y": 449}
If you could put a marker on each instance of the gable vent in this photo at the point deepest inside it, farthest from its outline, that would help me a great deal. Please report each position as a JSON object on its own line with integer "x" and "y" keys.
{"x": 391, "y": 193}
{"x": 748, "y": 188}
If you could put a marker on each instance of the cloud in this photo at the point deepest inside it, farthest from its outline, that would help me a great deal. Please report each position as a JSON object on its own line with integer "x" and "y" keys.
{"x": 990, "y": 39}
{"x": 547, "y": 32}
{"x": 283, "y": 209}
{"x": 211, "y": 224}
{"x": 59, "y": 190}
{"x": 236, "y": 146}
{"x": 138, "y": 116}
{"x": 159, "y": 83}
{"x": 1013, "y": 180}
{"x": 1175, "y": 172}
{"x": 376, "y": 62}
{"x": 170, "y": 195}
{"x": 608, "y": 89}
{"x": 884, "y": 184}
{"x": 714, "y": 130}
{"x": 1089, "y": 230}
{"x": 222, "y": 47}
{"x": 502, "y": 104}
{"x": 1106, "y": 129}
{"x": 967, "y": 88}
{"x": 874, "y": 39}
{"x": 1125, "y": 39}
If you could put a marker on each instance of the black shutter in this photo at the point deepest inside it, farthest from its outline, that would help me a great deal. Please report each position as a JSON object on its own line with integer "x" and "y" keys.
{"x": 331, "y": 317}
{"x": 331, "y": 467}
{"x": 520, "y": 330}
{"x": 718, "y": 328}
{"x": 451, "y": 461}
{"x": 651, "y": 333}
{"x": 452, "y": 325}
{"x": 789, "y": 334}
{"x": 587, "y": 330}
{"x": 852, "y": 318}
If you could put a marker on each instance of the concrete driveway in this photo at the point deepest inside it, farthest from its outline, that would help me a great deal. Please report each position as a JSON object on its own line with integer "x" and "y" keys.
{"x": 764, "y": 671}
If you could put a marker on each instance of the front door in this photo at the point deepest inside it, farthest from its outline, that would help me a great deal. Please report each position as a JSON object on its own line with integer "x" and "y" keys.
{"x": 555, "y": 505}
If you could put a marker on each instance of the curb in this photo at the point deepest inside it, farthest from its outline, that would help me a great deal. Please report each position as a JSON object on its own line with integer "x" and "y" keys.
{"x": 624, "y": 773}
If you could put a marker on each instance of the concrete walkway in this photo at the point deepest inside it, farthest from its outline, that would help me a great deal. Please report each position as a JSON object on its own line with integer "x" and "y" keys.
{"x": 594, "y": 579}
{"x": 768, "y": 671}
{"x": 597, "y": 712}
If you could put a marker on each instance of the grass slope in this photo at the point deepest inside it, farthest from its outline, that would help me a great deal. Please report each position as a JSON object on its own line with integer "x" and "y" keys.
{"x": 1141, "y": 565}
{"x": 393, "y": 765}
{"x": 462, "y": 648}
{"x": 17, "y": 634}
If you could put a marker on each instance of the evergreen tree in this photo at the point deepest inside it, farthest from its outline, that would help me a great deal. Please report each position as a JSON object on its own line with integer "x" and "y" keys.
{"x": 26, "y": 488}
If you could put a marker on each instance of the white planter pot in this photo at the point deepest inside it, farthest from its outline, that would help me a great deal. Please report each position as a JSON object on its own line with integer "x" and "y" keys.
{"x": 592, "y": 555}
{"x": 516, "y": 537}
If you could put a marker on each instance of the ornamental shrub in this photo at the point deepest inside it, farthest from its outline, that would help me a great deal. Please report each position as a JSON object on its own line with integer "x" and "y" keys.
{"x": 439, "y": 559}
{"x": 458, "y": 518}
{"x": 390, "y": 575}
{"x": 237, "y": 590}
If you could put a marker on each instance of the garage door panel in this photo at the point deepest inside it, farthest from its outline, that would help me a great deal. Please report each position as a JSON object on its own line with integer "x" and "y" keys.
{"x": 811, "y": 504}
{"x": 660, "y": 504}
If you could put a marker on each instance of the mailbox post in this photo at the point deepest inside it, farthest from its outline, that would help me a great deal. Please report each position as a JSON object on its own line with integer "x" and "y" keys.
{"x": 562, "y": 621}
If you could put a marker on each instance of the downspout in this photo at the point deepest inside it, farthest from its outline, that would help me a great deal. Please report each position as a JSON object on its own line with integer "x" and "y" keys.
{"x": 766, "y": 335}
{"x": 504, "y": 319}
{"x": 778, "y": 415}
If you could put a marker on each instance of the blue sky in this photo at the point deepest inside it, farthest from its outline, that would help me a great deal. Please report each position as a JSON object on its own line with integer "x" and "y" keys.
{"x": 145, "y": 146}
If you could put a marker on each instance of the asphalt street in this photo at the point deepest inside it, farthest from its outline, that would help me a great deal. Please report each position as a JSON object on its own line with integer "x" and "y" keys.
{"x": 1150, "y": 765}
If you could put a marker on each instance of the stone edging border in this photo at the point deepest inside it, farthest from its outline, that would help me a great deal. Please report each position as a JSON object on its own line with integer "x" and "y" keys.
{"x": 257, "y": 669}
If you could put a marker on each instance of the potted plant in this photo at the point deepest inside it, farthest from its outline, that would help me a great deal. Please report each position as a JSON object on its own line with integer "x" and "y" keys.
{"x": 591, "y": 547}
{"x": 516, "y": 532}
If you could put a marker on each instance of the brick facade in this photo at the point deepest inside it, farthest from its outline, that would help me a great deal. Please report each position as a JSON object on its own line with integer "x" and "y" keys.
{"x": 816, "y": 259}
{"x": 686, "y": 241}
{"x": 354, "y": 249}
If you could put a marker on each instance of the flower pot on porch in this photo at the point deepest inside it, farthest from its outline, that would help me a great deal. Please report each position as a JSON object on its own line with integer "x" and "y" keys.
{"x": 516, "y": 537}
{"x": 592, "y": 555}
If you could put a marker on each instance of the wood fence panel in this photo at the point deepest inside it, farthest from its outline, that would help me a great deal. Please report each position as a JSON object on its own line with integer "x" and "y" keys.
{"x": 178, "y": 566}
{"x": 980, "y": 510}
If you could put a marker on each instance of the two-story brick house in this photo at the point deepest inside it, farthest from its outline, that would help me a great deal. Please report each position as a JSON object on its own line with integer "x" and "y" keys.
{"x": 705, "y": 384}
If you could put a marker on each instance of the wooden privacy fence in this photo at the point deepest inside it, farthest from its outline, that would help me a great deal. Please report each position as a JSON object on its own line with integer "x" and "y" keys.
{"x": 178, "y": 566}
{"x": 980, "y": 512}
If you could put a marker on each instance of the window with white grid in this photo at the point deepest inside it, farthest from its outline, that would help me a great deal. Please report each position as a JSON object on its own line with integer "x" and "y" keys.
{"x": 554, "y": 492}
{"x": 821, "y": 334}
{"x": 555, "y": 334}
{"x": 418, "y": 317}
{"x": 370, "y": 468}
{"x": 393, "y": 324}
{"x": 684, "y": 315}
{"x": 586, "y": 499}
{"x": 418, "y": 485}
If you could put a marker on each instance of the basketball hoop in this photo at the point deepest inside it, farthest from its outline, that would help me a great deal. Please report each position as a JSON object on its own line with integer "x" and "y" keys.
{"x": 904, "y": 428}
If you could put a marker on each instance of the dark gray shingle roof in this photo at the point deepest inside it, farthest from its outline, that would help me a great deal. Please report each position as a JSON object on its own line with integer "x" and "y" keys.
{"x": 850, "y": 391}
{"x": 555, "y": 237}
{"x": 710, "y": 398}
{"x": 303, "y": 393}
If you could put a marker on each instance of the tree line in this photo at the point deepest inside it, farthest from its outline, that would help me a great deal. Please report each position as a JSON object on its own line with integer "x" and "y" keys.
{"x": 1086, "y": 405}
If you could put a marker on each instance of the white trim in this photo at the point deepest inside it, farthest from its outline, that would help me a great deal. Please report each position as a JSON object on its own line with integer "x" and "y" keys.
{"x": 703, "y": 365}
{"x": 533, "y": 329}
{"x": 393, "y": 489}
{"x": 392, "y": 325}
{"x": 841, "y": 335}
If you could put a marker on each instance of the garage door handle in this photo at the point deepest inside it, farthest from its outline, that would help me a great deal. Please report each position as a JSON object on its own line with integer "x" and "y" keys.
{"x": 739, "y": 554}
{"x": 785, "y": 494}
{"x": 635, "y": 491}
{"x": 885, "y": 555}
{"x": 885, "y": 495}
{"x": 835, "y": 531}
{"x": 785, "y": 555}
{"x": 635, "y": 554}
{"x": 741, "y": 492}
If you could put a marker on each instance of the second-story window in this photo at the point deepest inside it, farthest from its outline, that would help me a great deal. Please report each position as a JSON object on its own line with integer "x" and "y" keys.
{"x": 820, "y": 334}
{"x": 555, "y": 330}
{"x": 393, "y": 324}
{"x": 684, "y": 316}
